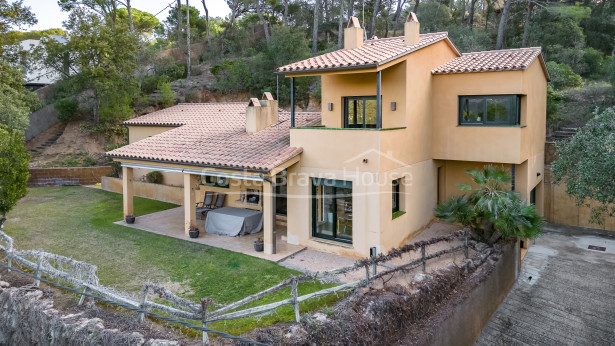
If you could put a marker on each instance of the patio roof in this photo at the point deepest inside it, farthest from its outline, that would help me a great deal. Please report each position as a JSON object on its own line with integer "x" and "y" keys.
{"x": 214, "y": 135}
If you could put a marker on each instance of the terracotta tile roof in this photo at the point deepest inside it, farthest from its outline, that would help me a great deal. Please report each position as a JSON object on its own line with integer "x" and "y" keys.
{"x": 373, "y": 53}
{"x": 214, "y": 134}
{"x": 494, "y": 60}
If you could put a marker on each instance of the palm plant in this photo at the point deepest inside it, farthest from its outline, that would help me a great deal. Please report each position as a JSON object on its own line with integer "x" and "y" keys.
{"x": 491, "y": 211}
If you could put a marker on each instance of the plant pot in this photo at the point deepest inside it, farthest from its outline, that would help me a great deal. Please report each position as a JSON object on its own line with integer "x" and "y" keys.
{"x": 259, "y": 246}
{"x": 130, "y": 219}
{"x": 194, "y": 233}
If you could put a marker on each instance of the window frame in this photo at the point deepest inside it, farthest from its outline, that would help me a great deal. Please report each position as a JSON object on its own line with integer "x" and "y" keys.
{"x": 334, "y": 184}
{"x": 364, "y": 99}
{"x": 513, "y": 113}
{"x": 395, "y": 195}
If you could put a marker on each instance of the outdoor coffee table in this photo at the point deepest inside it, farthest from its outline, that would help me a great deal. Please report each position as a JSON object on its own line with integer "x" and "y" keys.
{"x": 233, "y": 221}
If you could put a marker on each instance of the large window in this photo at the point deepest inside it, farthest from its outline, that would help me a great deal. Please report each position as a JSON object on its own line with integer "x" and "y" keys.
{"x": 395, "y": 194}
{"x": 332, "y": 209}
{"x": 216, "y": 181}
{"x": 360, "y": 112}
{"x": 496, "y": 110}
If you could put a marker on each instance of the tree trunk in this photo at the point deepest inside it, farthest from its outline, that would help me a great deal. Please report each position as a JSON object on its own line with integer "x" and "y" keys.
{"x": 233, "y": 12}
{"x": 179, "y": 23}
{"x": 262, "y": 18}
{"x": 416, "y": 6}
{"x": 350, "y": 9}
{"x": 206, "y": 21}
{"x": 285, "y": 15}
{"x": 451, "y": 5}
{"x": 2, "y": 219}
{"x": 471, "y": 19}
{"x": 527, "y": 23}
{"x": 340, "y": 27}
{"x": 463, "y": 11}
{"x": 372, "y": 30}
{"x": 500, "y": 43}
{"x": 400, "y": 6}
{"x": 315, "y": 27}
{"x": 188, "y": 37}
{"x": 132, "y": 26}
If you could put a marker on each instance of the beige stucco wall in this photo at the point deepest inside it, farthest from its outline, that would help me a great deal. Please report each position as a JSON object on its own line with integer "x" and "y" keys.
{"x": 503, "y": 144}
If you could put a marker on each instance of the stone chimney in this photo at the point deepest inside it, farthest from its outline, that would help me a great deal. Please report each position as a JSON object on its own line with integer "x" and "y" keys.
{"x": 412, "y": 29}
{"x": 261, "y": 113}
{"x": 353, "y": 34}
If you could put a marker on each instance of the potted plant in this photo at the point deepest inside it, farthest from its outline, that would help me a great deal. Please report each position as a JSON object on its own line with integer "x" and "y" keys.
{"x": 259, "y": 245}
{"x": 130, "y": 219}
{"x": 193, "y": 232}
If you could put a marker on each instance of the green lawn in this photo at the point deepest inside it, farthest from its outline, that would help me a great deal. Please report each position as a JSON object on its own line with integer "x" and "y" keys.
{"x": 78, "y": 222}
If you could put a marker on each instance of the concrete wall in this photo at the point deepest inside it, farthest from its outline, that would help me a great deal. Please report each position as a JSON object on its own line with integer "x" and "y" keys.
{"x": 467, "y": 317}
{"x": 67, "y": 176}
{"x": 41, "y": 121}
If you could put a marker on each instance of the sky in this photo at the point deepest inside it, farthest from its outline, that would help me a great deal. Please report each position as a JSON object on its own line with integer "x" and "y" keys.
{"x": 50, "y": 16}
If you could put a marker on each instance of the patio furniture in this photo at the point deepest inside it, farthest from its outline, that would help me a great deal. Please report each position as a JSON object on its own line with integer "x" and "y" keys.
{"x": 233, "y": 221}
{"x": 220, "y": 197}
{"x": 202, "y": 207}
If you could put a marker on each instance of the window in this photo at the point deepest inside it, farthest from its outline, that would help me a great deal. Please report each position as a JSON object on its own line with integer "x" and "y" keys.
{"x": 216, "y": 181}
{"x": 332, "y": 209}
{"x": 496, "y": 110}
{"x": 360, "y": 112}
{"x": 395, "y": 194}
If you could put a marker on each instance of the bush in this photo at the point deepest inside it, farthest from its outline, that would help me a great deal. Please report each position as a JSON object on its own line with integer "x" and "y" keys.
{"x": 562, "y": 76}
{"x": 66, "y": 108}
{"x": 167, "y": 97}
{"x": 149, "y": 84}
{"x": 553, "y": 99}
{"x": 154, "y": 177}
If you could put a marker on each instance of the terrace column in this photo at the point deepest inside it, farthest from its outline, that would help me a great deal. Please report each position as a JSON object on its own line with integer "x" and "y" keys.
{"x": 269, "y": 218}
{"x": 379, "y": 99}
{"x": 191, "y": 185}
{"x": 127, "y": 190}
{"x": 292, "y": 101}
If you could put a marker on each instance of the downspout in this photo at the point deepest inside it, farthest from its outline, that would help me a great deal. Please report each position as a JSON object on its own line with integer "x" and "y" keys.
{"x": 512, "y": 182}
{"x": 273, "y": 196}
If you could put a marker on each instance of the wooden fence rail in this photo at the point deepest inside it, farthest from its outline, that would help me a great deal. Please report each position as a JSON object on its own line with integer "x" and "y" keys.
{"x": 83, "y": 275}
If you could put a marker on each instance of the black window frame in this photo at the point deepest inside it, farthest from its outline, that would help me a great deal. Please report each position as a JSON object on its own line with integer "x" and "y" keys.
{"x": 212, "y": 180}
{"x": 333, "y": 184}
{"x": 364, "y": 125}
{"x": 513, "y": 113}
{"x": 395, "y": 197}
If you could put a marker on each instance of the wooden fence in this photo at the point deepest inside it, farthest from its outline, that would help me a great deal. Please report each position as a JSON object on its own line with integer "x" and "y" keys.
{"x": 83, "y": 275}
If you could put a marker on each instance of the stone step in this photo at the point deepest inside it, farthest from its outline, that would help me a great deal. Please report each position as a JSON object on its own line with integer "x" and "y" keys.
{"x": 574, "y": 129}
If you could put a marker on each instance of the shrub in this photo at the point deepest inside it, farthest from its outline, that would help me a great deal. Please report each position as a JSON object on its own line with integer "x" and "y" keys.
{"x": 154, "y": 177}
{"x": 66, "y": 108}
{"x": 562, "y": 76}
{"x": 89, "y": 161}
{"x": 167, "y": 96}
{"x": 149, "y": 84}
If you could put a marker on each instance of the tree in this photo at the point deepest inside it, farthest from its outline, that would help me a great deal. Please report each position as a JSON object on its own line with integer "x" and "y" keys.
{"x": 315, "y": 26}
{"x": 103, "y": 61}
{"x": 562, "y": 76}
{"x": 500, "y": 43}
{"x": 13, "y": 170}
{"x": 585, "y": 164}
{"x": 142, "y": 22}
{"x": 16, "y": 102}
{"x": 207, "y": 20}
{"x": 12, "y": 15}
{"x": 490, "y": 210}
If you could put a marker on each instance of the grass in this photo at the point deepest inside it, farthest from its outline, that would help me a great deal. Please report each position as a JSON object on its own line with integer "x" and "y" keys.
{"x": 78, "y": 222}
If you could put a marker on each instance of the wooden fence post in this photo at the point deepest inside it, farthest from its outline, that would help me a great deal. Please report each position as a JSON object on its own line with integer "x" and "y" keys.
{"x": 293, "y": 292}
{"x": 204, "y": 304}
{"x": 142, "y": 305}
{"x": 366, "y": 276}
{"x": 39, "y": 263}
{"x": 423, "y": 258}
{"x": 82, "y": 296}
{"x": 9, "y": 254}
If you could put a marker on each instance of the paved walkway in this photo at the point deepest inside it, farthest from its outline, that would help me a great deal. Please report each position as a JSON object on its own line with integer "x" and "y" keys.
{"x": 565, "y": 294}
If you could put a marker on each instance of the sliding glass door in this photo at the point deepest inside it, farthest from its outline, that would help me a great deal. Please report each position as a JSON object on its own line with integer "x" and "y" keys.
{"x": 332, "y": 209}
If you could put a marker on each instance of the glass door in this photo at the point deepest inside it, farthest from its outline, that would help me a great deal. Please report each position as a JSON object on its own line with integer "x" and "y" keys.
{"x": 332, "y": 209}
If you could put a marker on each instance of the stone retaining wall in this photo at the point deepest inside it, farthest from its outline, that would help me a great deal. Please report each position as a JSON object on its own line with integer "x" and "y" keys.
{"x": 67, "y": 176}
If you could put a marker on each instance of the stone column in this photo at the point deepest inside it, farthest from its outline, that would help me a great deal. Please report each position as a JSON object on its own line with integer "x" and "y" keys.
{"x": 128, "y": 191}
{"x": 268, "y": 222}
{"x": 191, "y": 185}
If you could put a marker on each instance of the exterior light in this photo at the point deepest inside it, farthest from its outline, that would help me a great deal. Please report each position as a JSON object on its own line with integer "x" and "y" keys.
{"x": 393, "y": 106}
{"x": 330, "y": 106}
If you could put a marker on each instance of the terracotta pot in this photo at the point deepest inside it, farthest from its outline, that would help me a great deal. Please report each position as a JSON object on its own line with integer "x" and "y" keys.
{"x": 258, "y": 246}
{"x": 194, "y": 233}
{"x": 130, "y": 219}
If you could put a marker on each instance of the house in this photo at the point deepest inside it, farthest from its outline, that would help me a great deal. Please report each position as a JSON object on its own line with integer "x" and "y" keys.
{"x": 37, "y": 75}
{"x": 402, "y": 119}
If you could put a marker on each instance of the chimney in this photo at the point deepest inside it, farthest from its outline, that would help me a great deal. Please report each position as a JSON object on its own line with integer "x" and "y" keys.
{"x": 353, "y": 34}
{"x": 261, "y": 113}
{"x": 412, "y": 29}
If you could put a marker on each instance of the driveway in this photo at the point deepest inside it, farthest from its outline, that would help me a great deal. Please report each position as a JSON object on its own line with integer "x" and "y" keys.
{"x": 565, "y": 293}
